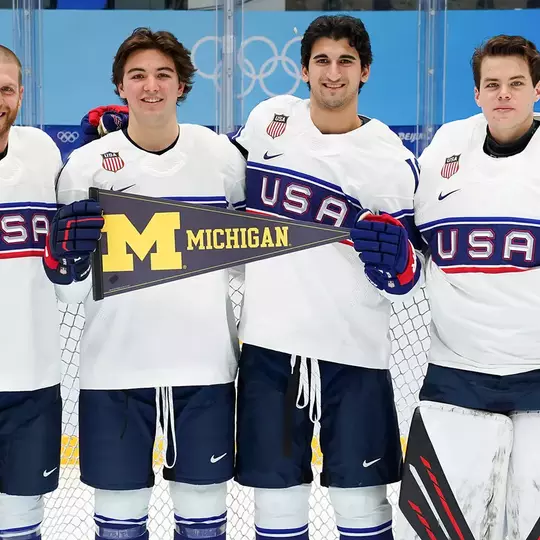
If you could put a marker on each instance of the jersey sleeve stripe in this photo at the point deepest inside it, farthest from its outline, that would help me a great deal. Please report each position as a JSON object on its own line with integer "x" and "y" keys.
{"x": 28, "y": 206}
{"x": 415, "y": 170}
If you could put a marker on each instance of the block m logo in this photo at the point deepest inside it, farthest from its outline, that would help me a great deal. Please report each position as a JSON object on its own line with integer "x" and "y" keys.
{"x": 159, "y": 232}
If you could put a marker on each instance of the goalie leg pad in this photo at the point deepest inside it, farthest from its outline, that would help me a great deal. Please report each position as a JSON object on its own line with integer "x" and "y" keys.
{"x": 20, "y": 517}
{"x": 523, "y": 495}
{"x": 121, "y": 514}
{"x": 282, "y": 513}
{"x": 200, "y": 511}
{"x": 455, "y": 473}
{"x": 363, "y": 512}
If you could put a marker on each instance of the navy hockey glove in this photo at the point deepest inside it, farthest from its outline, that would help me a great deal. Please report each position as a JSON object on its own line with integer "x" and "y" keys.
{"x": 103, "y": 120}
{"x": 389, "y": 258}
{"x": 74, "y": 235}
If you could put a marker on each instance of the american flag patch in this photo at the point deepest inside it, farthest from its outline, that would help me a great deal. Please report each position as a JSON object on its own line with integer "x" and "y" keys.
{"x": 450, "y": 167}
{"x": 277, "y": 126}
{"x": 112, "y": 162}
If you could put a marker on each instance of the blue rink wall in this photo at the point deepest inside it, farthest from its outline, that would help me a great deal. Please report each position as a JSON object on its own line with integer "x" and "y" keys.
{"x": 77, "y": 65}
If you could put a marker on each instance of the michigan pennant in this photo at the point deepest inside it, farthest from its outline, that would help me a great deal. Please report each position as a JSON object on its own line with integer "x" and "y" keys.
{"x": 277, "y": 126}
{"x": 148, "y": 241}
{"x": 450, "y": 167}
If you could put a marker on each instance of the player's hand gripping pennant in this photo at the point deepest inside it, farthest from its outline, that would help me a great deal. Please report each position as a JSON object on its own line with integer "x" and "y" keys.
{"x": 147, "y": 241}
{"x": 73, "y": 237}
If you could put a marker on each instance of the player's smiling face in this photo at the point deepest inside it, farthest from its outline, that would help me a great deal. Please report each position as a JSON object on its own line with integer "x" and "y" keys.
{"x": 151, "y": 86}
{"x": 334, "y": 74}
{"x": 507, "y": 96}
{"x": 10, "y": 95}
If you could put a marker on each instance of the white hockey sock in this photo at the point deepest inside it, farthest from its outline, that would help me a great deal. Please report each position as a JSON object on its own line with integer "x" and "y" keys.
{"x": 282, "y": 513}
{"x": 362, "y": 512}
{"x": 121, "y": 514}
{"x": 20, "y": 517}
{"x": 200, "y": 511}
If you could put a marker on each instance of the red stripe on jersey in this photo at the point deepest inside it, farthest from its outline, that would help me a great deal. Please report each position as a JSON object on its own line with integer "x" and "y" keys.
{"x": 482, "y": 269}
{"x": 19, "y": 254}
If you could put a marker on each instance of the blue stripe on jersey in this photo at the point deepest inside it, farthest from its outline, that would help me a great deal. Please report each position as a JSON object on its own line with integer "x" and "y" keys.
{"x": 296, "y": 175}
{"x": 402, "y": 214}
{"x": 415, "y": 168}
{"x": 24, "y": 227}
{"x": 28, "y": 204}
{"x": 486, "y": 245}
{"x": 406, "y": 217}
{"x": 218, "y": 202}
{"x": 240, "y": 205}
{"x": 233, "y": 135}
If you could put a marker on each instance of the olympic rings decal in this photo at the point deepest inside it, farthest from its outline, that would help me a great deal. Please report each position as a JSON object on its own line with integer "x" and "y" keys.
{"x": 275, "y": 60}
{"x": 67, "y": 136}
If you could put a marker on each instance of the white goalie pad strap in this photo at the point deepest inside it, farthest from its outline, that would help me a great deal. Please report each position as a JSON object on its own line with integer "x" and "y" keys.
{"x": 523, "y": 495}
{"x": 473, "y": 449}
{"x": 18, "y": 512}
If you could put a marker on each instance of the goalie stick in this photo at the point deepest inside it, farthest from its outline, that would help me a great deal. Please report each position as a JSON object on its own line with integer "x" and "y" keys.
{"x": 423, "y": 469}
{"x": 535, "y": 533}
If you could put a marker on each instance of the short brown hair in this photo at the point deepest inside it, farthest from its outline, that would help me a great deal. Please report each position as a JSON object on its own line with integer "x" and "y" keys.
{"x": 9, "y": 55}
{"x": 504, "y": 45}
{"x": 163, "y": 41}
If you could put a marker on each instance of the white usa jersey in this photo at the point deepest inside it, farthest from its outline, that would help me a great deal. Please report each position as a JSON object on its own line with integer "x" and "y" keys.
{"x": 318, "y": 303}
{"x": 30, "y": 329}
{"x": 480, "y": 218}
{"x": 181, "y": 333}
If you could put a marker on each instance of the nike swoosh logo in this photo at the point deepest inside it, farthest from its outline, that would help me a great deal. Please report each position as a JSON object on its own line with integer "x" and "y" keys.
{"x": 370, "y": 463}
{"x": 48, "y": 473}
{"x": 441, "y": 196}
{"x": 216, "y": 459}
{"x": 268, "y": 156}
{"x": 123, "y": 189}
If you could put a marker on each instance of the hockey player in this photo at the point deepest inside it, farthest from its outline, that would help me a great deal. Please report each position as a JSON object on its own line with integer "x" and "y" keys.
{"x": 30, "y": 402}
{"x": 166, "y": 354}
{"x": 477, "y": 208}
{"x": 315, "y": 324}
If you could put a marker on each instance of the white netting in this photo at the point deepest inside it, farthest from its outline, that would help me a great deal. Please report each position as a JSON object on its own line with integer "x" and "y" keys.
{"x": 69, "y": 511}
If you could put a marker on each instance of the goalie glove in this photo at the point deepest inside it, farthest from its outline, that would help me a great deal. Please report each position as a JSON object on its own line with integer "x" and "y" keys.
{"x": 103, "y": 120}
{"x": 384, "y": 247}
{"x": 74, "y": 235}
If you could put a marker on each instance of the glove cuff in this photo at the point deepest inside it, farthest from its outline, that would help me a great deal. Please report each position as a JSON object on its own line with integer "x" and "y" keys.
{"x": 48, "y": 258}
{"x": 408, "y": 274}
{"x": 57, "y": 271}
